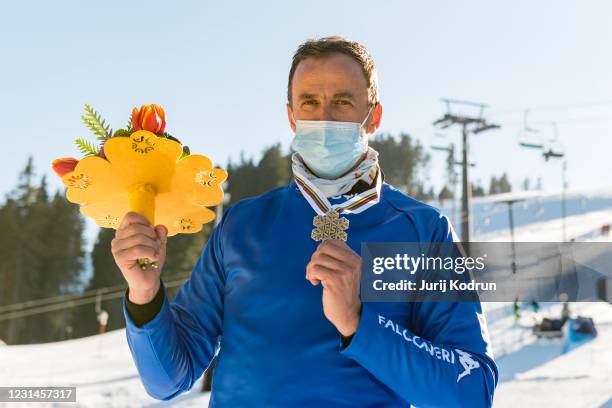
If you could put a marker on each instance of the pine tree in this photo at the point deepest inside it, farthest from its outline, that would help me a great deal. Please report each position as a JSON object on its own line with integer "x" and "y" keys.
{"x": 493, "y": 186}
{"x": 526, "y": 184}
{"x": 477, "y": 190}
{"x": 404, "y": 163}
{"x": 272, "y": 169}
{"x": 504, "y": 184}
{"x": 247, "y": 179}
{"x": 452, "y": 177}
{"x": 66, "y": 256}
{"x": 105, "y": 274}
{"x": 183, "y": 251}
{"x": 41, "y": 248}
{"x": 445, "y": 194}
{"x": 25, "y": 230}
{"x": 500, "y": 185}
{"x": 9, "y": 266}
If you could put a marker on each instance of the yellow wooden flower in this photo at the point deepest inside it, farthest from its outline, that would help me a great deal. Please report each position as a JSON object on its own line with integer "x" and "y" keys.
{"x": 144, "y": 173}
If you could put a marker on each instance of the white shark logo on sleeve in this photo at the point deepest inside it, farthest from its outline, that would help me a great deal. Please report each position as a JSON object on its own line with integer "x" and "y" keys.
{"x": 467, "y": 362}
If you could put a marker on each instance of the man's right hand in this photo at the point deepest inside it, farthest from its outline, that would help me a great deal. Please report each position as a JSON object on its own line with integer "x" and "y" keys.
{"x": 136, "y": 238}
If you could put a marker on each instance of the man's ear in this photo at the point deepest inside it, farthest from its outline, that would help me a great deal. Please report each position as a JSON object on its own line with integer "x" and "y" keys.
{"x": 376, "y": 118}
{"x": 290, "y": 117}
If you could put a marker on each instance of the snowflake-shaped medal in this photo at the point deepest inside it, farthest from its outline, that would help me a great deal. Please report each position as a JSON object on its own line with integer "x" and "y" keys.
{"x": 329, "y": 226}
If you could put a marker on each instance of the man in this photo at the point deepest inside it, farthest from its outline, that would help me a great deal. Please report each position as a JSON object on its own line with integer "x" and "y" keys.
{"x": 277, "y": 285}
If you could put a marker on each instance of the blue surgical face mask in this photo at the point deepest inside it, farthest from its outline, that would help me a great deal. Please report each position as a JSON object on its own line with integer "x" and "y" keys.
{"x": 329, "y": 148}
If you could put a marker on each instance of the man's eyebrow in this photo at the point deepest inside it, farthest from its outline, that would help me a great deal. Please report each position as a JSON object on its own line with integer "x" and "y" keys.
{"x": 341, "y": 94}
{"x": 344, "y": 94}
{"x": 306, "y": 95}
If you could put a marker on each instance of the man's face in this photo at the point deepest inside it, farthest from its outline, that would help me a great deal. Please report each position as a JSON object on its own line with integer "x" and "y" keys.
{"x": 331, "y": 88}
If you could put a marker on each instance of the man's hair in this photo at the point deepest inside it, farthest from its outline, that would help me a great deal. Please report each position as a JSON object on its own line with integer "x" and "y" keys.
{"x": 326, "y": 46}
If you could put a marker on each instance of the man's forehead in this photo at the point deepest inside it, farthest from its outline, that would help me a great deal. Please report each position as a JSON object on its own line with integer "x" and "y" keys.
{"x": 334, "y": 74}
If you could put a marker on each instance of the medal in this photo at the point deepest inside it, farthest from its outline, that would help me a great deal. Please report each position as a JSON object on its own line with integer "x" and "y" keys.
{"x": 328, "y": 223}
{"x": 329, "y": 226}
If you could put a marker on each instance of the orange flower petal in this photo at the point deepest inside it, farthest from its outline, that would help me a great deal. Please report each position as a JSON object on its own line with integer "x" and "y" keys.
{"x": 151, "y": 121}
{"x": 135, "y": 123}
{"x": 141, "y": 113}
{"x": 162, "y": 115}
{"x": 161, "y": 112}
{"x": 64, "y": 165}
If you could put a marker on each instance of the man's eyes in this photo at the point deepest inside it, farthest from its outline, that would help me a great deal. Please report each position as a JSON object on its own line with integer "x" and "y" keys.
{"x": 343, "y": 102}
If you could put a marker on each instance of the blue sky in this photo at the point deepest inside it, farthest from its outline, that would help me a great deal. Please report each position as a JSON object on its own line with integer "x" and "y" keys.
{"x": 220, "y": 69}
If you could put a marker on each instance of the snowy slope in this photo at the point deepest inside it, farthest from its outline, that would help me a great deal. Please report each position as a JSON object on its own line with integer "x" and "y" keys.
{"x": 580, "y": 227}
{"x": 533, "y": 373}
{"x": 539, "y": 374}
{"x": 101, "y": 367}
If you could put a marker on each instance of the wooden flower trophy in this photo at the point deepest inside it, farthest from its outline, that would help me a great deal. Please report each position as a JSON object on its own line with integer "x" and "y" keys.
{"x": 141, "y": 169}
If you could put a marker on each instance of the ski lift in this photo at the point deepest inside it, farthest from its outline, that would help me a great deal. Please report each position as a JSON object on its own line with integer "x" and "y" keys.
{"x": 439, "y": 135}
{"x": 550, "y": 153}
{"x": 530, "y": 137}
{"x": 554, "y": 148}
{"x": 440, "y": 148}
{"x": 438, "y": 141}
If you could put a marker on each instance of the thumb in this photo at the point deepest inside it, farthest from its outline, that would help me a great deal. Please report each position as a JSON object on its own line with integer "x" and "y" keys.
{"x": 162, "y": 233}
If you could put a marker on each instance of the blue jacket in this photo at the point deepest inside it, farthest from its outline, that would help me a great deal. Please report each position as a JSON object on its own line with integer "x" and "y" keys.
{"x": 248, "y": 293}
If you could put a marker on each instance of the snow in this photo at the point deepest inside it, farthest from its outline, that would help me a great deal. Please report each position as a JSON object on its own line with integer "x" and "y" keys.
{"x": 490, "y": 215}
{"x": 591, "y": 192}
{"x": 537, "y": 373}
{"x": 542, "y": 372}
{"x": 580, "y": 227}
{"x": 101, "y": 367}
{"x": 533, "y": 373}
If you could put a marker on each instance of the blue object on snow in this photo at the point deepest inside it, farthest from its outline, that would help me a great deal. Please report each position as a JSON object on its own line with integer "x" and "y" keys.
{"x": 579, "y": 331}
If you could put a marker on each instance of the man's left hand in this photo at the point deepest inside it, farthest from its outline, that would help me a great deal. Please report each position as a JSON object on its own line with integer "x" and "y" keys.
{"x": 338, "y": 268}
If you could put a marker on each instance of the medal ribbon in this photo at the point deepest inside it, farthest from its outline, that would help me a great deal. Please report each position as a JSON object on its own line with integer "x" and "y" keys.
{"x": 355, "y": 205}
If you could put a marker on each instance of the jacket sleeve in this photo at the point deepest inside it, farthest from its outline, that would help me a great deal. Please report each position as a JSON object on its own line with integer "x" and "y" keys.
{"x": 453, "y": 369}
{"x": 141, "y": 314}
{"x": 172, "y": 350}
{"x": 439, "y": 357}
